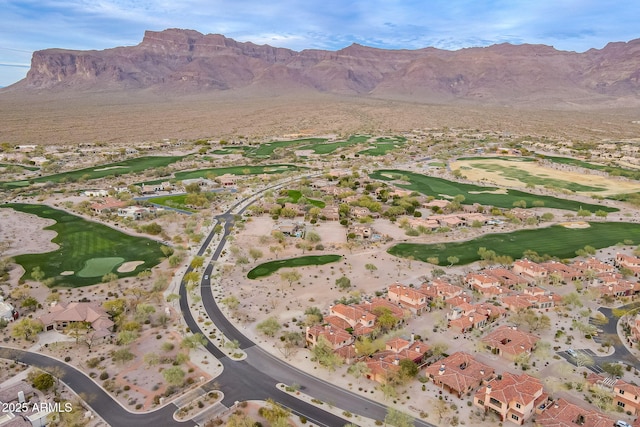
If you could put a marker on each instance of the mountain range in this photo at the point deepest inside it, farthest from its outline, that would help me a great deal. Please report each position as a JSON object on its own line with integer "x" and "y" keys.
{"x": 176, "y": 61}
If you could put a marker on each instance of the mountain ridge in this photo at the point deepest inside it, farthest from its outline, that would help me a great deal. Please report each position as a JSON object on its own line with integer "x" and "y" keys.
{"x": 177, "y": 61}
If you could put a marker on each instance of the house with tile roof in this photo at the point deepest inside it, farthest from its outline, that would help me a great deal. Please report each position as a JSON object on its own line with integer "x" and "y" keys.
{"x": 61, "y": 315}
{"x": 626, "y": 396}
{"x": 440, "y": 289}
{"x": 459, "y": 373}
{"x": 506, "y": 277}
{"x": 509, "y": 341}
{"x": 354, "y": 316}
{"x": 561, "y": 413}
{"x": 529, "y": 269}
{"x": 337, "y": 337}
{"x": 568, "y": 273}
{"x": 513, "y": 397}
{"x": 407, "y": 297}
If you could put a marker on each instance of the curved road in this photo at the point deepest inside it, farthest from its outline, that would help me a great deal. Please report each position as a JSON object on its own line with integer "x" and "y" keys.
{"x": 256, "y": 377}
{"x": 94, "y": 395}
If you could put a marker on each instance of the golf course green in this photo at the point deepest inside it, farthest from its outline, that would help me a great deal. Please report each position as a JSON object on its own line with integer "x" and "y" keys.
{"x": 87, "y": 250}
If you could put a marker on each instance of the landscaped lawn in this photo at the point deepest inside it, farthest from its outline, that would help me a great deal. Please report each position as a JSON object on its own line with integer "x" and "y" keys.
{"x": 271, "y": 267}
{"x": 442, "y": 188}
{"x": 87, "y": 249}
{"x": 139, "y": 164}
{"x": 294, "y": 195}
{"x": 556, "y": 241}
{"x": 176, "y": 201}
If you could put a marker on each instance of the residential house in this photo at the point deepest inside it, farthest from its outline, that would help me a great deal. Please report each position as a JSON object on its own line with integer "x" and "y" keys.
{"x": 428, "y": 223}
{"x": 439, "y": 289}
{"x": 625, "y": 396}
{"x": 330, "y": 213}
{"x": 407, "y": 297}
{"x": 459, "y": 373}
{"x": 228, "y": 180}
{"x": 336, "y": 337}
{"x": 361, "y": 321}
{"x": 95, "y": 193}
{"x": 634, "y": 325}
{"x": 524, "y": 301}
{"x": 466, "y": 323}
{"x": 593, "y": 264}
{"x": 506, "y": 277}
{"x": 529, "y": 269}
{"x": 620, "y": 288}
{"x": 380, "y": 303}
{"x": 299, "y": 211}
{"x": 627, "y": 261}
{"x": 136, "y": 212}
{"x": 106, "y": 205}
{"x": 361, "y": 231}
{"x": 437, "y": 203}
{"x": 61, "y": 315}
{"x": 379, "y": 369}
{"x": 568, "y": 273}
{"x": 481, "y": 279}
{"x": 514, "y": 398}
{"x": 387, "y": 361}
{"x": 492, "y": 311}
{"x": 290, "y": 228}
{"x": 561, "y": 413}
{"x": 7, "y": 311}
{"x": 509, "y": 342}
{"x": 361, "y": 212}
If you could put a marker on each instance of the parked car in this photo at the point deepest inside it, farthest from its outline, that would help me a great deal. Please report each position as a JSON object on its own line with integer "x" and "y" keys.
{"x": 571, "y": 352}
{"x": 621, "y": 423}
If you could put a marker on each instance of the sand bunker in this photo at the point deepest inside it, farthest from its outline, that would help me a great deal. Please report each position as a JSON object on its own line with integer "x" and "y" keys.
{"x": 67, "y": 273}
{"x": 496, "y": 191}
{"x": 129, "y": 266}
{"x": 111, "y": 167}
{"x": 580, "y": 224}
{"x": 24, "y": 233}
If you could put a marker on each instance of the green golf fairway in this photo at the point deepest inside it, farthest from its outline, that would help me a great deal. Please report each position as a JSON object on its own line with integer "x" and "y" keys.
{"x": 271, "y": 267}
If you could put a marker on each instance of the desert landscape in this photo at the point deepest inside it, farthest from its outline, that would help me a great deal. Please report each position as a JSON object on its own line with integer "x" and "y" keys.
{"x": 247, "y": 235}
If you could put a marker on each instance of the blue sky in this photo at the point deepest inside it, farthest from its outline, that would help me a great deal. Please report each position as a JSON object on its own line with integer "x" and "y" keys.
{"x": 578, "y": 25}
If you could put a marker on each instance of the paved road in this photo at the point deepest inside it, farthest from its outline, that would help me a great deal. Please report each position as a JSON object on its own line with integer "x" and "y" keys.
{"x": 609, "y": 332}
{"x": 98, "y": 399}
{"x": 256, "y": 377}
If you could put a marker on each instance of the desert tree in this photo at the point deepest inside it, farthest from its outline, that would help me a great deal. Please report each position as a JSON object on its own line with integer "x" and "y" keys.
{"x": 290, "y": 276}
{"x": 397, "y": 418}
{"x": 174, "y": 375}
{"x": 269, "y": 326}
{"x": 27, "y": 329}
{"x": 359, "y": 370}
{"x": 323, "y": 354}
